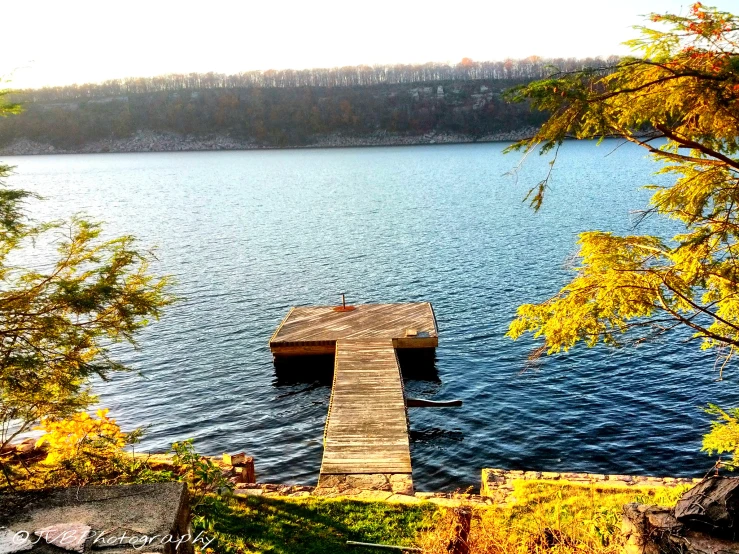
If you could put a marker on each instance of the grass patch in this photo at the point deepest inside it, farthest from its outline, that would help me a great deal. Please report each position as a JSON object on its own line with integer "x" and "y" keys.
{"x": 549, "y": 517}
{"x": 309, "y": 526}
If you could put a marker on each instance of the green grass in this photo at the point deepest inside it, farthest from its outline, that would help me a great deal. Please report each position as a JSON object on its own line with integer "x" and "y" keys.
{"x": 547, "y": 517}
{"x": 309, "y": 526}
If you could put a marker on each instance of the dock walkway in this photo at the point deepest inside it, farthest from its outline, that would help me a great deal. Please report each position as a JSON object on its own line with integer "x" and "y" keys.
{"x": 367, "y": 424}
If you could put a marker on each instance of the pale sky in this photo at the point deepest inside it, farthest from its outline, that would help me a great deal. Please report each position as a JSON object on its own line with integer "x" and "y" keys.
{"x": 51, "y": 42}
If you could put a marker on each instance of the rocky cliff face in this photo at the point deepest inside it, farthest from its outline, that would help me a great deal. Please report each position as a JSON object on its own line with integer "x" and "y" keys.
{"x": 149, "y": 141}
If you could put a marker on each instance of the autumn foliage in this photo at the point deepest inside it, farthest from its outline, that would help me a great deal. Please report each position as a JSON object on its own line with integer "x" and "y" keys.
{"x": 680, "y": 101}
{"x": 83, "y": 448}
{"x": 61, "y": 316}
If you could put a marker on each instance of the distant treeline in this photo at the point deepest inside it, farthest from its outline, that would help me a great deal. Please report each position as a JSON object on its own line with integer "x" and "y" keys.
{"x": 288, "y": 107}
{"x": 362, "y": 75}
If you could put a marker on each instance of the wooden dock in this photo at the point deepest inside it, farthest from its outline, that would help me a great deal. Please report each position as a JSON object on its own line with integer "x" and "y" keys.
{"x": 367, "y": 424}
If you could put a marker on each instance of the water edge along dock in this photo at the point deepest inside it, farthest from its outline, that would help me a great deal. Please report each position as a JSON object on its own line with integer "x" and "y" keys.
{"x": 366, "y": 432}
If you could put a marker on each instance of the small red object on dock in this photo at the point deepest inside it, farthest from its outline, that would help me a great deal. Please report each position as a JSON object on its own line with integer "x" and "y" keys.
{"x": 344, "y": 307}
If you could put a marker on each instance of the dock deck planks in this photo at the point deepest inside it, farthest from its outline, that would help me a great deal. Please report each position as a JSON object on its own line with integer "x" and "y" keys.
{"x": 367, "y": 424}
{"x": 315, "y": 329}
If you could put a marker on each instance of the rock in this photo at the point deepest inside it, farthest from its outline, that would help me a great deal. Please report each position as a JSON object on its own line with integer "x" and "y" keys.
{"x": 69, "y": 536}
{"x": 497, "y": 484}
{"x": 234, "y": 459}
{"x": 248, "y": 492}
{"x": 576, "y": 477}
{"x": 249, "y": 486}
{"x": 151, "y": 141}
{"x": 26, "y": 449}
{"x": 374, "y": 496}
{"x": 329, "y": 481}
{"x": 12, "y": 541}
{"x": 76, "y": 518}
{"x": 446, "y": 502}
{"x": 246, "y": 471}
{"x": 302, "y": 488}
{"x": 712, "y": 507}
{"x": 369, "y": 481}
{"x": 699, "y": 543}
{"x": 654, "y": 530}
{"x": 403, "y": 499}
{"x": 401, "y": 483}
{"x": 645, "y": 528}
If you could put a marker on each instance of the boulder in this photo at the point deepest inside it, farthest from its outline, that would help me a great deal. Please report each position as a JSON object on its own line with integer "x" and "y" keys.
{"x": 647, "y": 529}
{"x": 712, "y": 506}
{"x": 120, "y": 519}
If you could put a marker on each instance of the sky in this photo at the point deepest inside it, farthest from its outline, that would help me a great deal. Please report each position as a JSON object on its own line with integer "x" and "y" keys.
{"x": 52, "y": 42}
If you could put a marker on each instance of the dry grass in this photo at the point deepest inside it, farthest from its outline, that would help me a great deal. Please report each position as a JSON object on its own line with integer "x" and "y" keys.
{"x": 548, "y": 517}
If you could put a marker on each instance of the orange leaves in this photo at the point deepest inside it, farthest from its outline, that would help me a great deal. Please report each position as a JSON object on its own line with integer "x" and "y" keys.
{"x": 707, "y": 23}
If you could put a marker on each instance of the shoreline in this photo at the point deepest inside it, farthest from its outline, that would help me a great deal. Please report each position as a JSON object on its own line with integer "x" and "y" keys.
{"x": 146, "y": 141}
{"x": 496, "y": 486}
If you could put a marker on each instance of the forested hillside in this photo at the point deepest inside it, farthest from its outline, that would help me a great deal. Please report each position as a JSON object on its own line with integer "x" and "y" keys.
{"x": 282, "y": 108}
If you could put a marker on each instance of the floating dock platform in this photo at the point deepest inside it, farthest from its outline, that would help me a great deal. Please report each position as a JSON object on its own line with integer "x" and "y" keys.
{"x": 367, "y": 424}
{"x": 314, "y": 330}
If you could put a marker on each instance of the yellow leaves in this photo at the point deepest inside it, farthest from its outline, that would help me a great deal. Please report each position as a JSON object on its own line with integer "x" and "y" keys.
{"x": 76, "y": 438}
{"x": 724, "y": 435}
{"x": 620, "y": 280}
{"x": 685, "y": 91}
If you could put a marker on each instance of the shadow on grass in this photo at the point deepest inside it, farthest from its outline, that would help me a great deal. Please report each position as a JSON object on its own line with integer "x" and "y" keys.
{"x": 311, "y": 526}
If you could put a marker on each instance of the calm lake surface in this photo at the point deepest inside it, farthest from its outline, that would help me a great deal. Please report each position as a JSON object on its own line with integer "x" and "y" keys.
{"x": 249, "y": 234}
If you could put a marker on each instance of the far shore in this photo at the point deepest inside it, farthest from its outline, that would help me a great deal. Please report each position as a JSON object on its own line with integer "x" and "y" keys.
{"x": 145, "y": 141}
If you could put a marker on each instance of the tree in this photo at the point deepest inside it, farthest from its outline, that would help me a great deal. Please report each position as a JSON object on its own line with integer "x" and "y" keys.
{"x": 58, "y": 322}
{"x": 685, "y": 90}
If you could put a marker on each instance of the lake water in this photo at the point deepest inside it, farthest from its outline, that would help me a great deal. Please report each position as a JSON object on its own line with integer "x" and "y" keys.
{"x": 249, "y": 234}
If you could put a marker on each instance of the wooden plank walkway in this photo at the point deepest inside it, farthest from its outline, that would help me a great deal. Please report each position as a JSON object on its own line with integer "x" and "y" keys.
{"x": 315, "y": 329}
{"x": 367, "y": 424}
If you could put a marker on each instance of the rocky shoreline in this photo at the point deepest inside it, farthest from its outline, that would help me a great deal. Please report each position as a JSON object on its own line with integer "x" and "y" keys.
{"x": 497, "y": 484}
{"x": 149, "y": 141}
